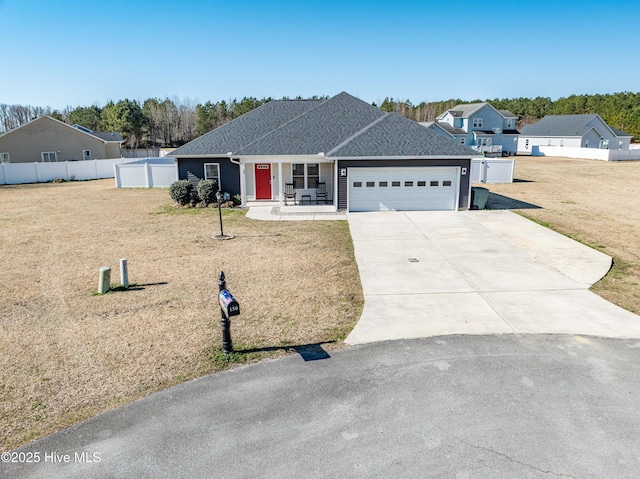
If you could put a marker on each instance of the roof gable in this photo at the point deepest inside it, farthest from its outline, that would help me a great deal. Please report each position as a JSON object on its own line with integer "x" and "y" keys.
{"x": 318, "y": 129}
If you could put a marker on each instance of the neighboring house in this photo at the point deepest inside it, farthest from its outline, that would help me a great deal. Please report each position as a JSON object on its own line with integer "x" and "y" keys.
{"x": 572, "y": 131}
{"x": 479, "y": 126}
{"x": 368, "y": 159}
{"x": 47, "y": 139}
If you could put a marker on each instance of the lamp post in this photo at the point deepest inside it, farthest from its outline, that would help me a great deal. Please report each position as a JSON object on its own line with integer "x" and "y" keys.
{"x": 219, "y": 198}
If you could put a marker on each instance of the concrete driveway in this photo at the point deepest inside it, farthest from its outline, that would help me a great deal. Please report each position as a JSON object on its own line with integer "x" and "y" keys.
{"x": 477, "y": 272}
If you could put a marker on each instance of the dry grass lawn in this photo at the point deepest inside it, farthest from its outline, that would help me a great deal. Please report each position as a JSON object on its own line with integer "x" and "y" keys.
{"x": 68, "y": 354}
{"x": 594, "y": 202}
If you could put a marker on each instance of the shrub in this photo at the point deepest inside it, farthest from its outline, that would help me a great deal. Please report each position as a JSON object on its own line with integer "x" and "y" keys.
{"x": 237, "y": 200}
{"x": 180, "y": 191}
{"x": 207, "y": 190}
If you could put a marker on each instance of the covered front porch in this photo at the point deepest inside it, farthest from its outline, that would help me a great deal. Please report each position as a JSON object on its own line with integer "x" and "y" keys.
{"x": 291, "y": 183}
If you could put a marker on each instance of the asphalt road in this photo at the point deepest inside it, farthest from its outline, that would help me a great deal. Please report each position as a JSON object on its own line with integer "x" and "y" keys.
{"x": 504, "y": 406}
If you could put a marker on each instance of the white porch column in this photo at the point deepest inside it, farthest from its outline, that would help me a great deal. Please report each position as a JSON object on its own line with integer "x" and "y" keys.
{"x": 280, "y": 189}
{"x": 243, "y": 185}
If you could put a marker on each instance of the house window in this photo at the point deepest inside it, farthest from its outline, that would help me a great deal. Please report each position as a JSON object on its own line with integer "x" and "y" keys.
{"x": 422, "y": 183}
{"x": 395, "y": 183}
{"x": 526, "y": 144}
{"x": 561, "y": 142}
{"x": 212, "y": 172}
{"x": 605, "y": 144}
{"x": 86, "y": 154}
{"x": 509, "y": 124}
{"x": 408, "y": 183}
{"x": 305, "y": 175}
{"x": 549, "y": 142}
{"x": 620, "y": 143}
{"x": 371, "y": 184}
{"x": 477, "y": 122}
{"x": 4, "y": 158}
{"x": 446, "y": 183}
{"x": 433, "y": 183}
{"x": 48, "y": 156}
{"x": 586, "y": 143}
{"x": 357, "y": 184}
{"x": 462, "y": 141}
{"x": 313, "y": 175}
{"x": 382, "y": 184}
{"x": 485, "y": 141}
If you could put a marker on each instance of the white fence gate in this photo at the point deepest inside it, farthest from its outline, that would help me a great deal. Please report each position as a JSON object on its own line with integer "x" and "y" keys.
{"x": 150, "y": 173}
{"x": 20, "y": 173}
{"x": 492, "y": 170}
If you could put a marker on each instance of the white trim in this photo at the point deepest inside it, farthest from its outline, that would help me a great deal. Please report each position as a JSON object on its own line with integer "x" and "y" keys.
{"x": 404, "y": 157}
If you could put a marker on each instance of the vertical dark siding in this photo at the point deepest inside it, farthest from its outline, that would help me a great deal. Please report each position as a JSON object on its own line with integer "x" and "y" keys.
{"x": 343, "y": 185}
{"x": 192, "y": 169}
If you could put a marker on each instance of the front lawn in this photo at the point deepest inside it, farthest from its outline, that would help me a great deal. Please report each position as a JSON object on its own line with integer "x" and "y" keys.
{"x": 68, "y": 354}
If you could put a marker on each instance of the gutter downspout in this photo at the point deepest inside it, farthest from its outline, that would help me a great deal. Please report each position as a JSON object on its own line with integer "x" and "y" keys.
{"x": 243, "y": 181}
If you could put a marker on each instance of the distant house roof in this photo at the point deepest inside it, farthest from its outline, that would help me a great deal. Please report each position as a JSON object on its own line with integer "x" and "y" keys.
{"x": 507, "y": 114}
{"x": 566, "y": 125}
{"x": 446, "y": 127}
{"x": 341, "y": 126}
{"x": 106, "y": 136}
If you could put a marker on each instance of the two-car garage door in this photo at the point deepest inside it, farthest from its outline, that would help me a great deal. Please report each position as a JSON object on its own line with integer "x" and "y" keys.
{"x": 403, "y": 188}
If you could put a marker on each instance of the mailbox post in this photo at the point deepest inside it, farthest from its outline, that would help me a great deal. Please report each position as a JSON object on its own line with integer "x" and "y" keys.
{"x": 228, "y": 307}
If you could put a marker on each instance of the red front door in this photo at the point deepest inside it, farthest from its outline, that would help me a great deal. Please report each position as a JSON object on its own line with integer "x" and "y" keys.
{"x": 263, "y": 182}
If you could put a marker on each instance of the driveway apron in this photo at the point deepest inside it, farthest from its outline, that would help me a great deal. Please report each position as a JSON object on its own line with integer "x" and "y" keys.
{"x": 477, "y": 272}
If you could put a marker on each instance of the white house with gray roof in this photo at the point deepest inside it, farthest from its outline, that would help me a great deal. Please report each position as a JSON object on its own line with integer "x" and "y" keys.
{"x": 479, "y": 126}
{"x": 368, "y": 159}
{"x": 572, "y": 131}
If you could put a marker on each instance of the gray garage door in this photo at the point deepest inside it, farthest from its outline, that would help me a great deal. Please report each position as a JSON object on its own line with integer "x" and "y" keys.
{"x": 403, "y": 188}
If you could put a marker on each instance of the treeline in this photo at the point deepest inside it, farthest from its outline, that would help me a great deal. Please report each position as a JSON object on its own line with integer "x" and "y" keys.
{"x": 172, "y": 122}
{"x": 619, "y": 110}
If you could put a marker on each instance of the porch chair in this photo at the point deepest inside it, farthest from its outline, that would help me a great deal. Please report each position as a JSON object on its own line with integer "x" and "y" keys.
{"x": 289, "y": 193}
{"x": 321, "y": 192}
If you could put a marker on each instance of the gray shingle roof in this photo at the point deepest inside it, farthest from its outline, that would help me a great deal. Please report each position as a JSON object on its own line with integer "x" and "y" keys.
{"x": 562, "y": 125}
{"x": 246, "y": 128}
{"x": 107, "y": 135}
{"x": 620, "y": 132}
{"x": 395, "y": 135}
{"x": 449, "y": 129}
{"x": 318, "y": 129}
{"x": 339, "y": 126}
{"x": 507, "y": 114}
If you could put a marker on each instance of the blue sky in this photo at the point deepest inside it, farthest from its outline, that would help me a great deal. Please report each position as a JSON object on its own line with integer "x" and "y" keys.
{"x": 68, "y": 53}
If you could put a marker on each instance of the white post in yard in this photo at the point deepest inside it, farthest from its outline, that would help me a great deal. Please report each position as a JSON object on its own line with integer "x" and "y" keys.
{"x": 124, "y": 273}
{"x": 104, "y": 283}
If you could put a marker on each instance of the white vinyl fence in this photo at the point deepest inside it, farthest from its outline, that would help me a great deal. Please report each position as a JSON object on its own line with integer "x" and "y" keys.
{"x": 586, "y": 153}
{"x": 148, "y": 173}
{"x": 19, "y": 173}
{"x": 492, "y": 170}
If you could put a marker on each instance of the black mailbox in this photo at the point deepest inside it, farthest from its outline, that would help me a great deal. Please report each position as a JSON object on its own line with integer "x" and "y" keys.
{"x": 228, "y": 304}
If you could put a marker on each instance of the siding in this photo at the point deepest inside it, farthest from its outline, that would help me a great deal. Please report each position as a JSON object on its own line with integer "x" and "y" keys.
{"x": 463, "y": 200}
{"x": 192, "y": 169}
